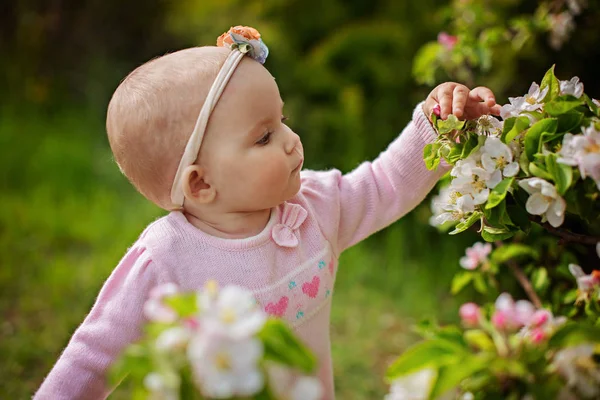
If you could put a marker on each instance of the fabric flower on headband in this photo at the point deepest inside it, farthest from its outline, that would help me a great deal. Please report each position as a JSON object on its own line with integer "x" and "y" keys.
{"x": 247, "y": 40}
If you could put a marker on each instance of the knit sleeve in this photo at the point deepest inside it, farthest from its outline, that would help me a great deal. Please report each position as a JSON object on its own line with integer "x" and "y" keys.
{"x": 114, "y": 321}
{"x": 353, "y": 206}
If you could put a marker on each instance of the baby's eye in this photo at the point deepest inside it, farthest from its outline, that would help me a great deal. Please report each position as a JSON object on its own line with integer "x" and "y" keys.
{"x": 265, "y": 139}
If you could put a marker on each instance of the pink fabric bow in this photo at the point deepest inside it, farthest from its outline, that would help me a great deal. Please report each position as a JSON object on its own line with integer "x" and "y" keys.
{"x": 292, "y": 216}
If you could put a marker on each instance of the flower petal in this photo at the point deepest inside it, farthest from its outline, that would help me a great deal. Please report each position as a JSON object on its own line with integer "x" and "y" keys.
{"x": 536, "y": 204}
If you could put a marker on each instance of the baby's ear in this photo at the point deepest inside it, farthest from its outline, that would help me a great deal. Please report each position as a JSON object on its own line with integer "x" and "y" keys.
{"x": 195, "y": 187}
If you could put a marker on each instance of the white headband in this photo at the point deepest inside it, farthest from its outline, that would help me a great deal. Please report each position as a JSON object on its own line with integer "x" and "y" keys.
{"x": 192, "y": 148}
{"x": 240, "y": 46}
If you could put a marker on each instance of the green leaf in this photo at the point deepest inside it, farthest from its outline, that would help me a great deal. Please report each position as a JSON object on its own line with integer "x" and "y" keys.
{"x": 540, "y": 279}
{"x": 573, "y": 334}
{"x": 593, "y": 107}
{"x": 519, "y": 217}
{"x": 566, "y": 123}
{"x": 512, "y": 251}
{"x": 534, "y": 134}
{"x": 479, "y": 340}
{"x": 552, "y": 83}
{"x": 499, "y": 192}
{"x": 184, "y": 304}
{"x": 539, "y": 171}
{"x": 479, "y": 283}
{"x": 491, "y": 234}
{"x": 430, "y": 353}
{"x": 460, "y": 280}
{"x": 466, "y": 224}
{"x": 514, "y": 128}
{"x": 562, "y": 174}
{"x": 283, "y": 347}
{"x": 425, "y": 63}
{"x": 562, "y": 105}
{"x": 450, "y": 376}
{"x": 450, "y": 124}
{"x": 431, "y": 155}
{"x": 470, "y": 146}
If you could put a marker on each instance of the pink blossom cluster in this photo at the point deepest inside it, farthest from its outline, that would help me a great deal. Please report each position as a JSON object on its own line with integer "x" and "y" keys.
{"x": 509, "y": 316}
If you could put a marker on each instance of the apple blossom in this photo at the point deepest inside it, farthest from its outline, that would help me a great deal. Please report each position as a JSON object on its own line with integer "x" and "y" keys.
{"x": 544, "y": 201}
{"x": 583, "y": 151}
{"x": 476, "y": 255}
{"x": 225, "y": 367}
{"x": 572, "y": 87}
{"x": 497, "y": 159}
{"x": 232, "y": 312}
{"x": 489, "y": 126}
{"x": 470, "y": 314}
{"x": 415, "y": 386}
{"x": 470, "y": 178}
{"x": 448, "y": 41}
{"x": 457, "y": 210}
{"x": 155, "y": 309}
{"x": 530, "y": 102}
{"x": 287, "y": 385}
{"x": 577, "y": 366}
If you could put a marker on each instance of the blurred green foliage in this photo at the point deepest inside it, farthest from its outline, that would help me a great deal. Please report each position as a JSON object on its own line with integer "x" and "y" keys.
{"x": 344, "y": 70}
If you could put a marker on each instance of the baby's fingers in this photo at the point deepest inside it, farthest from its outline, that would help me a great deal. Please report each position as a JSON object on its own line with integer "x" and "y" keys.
{"x": 459, "y": 100}
{"x": 483, "y": 94}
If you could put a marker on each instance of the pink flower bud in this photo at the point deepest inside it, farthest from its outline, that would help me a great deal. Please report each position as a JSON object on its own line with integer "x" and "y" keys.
{"x": 448, "y": 41}
{"x": 501, "y": 319}
{"x": 470, "y": 314}
{"x": 540, "y": 317}
{"x": 191, "y": 323}
{"x": 437, "y": 110}
{"x": 538, "y": 335}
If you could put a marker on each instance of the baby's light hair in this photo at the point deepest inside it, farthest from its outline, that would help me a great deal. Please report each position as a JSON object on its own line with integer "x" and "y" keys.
{"x": 152, "y": 114}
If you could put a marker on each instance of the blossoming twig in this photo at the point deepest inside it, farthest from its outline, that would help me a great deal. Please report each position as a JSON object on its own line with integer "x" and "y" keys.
{"x": 525, "y": 283}
{"x": 565, "y": 235}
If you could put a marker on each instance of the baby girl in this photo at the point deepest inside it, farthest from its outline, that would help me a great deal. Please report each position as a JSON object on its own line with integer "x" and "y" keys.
{"x": 200, "y": 132}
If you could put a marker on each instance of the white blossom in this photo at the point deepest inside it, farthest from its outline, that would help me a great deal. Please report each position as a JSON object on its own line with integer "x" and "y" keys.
{"x": 415, "y": 386}
{"x": 288, "y": 385}
{"x": 155, "y": 309}
{"x": 572, "y": 87}
{"x": 530, "y": 102}
{"x": 578, "y": 368}
{"x": 476, "y": 255}
{"x": 457, "y": 210}
{"x": 172, "y": 338}
{"x": 583, "y": 151}
{"x": 489, "y": 125}
{"x": 497, "y": 159}
{"x": 225, "y": 367}
{"x": 544, "y": 201}
{"x": 471, "y": 178}
{"x": 561, "y": 26}
{"x": 440, "y": 202}
{"x": 232, "y": 312}
{"x": 163, "y": 386}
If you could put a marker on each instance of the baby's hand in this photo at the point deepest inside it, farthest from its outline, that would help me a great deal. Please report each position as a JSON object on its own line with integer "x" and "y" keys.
{"x": 457, "y": 99}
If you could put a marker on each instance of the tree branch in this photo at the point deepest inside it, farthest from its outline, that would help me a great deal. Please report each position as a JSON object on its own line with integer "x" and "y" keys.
{"x": 565, "y": 235}
{"x": 524, "y": 281}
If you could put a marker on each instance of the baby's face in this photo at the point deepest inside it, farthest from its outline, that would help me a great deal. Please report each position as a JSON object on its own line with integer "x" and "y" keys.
{"x": 252, "y": 158}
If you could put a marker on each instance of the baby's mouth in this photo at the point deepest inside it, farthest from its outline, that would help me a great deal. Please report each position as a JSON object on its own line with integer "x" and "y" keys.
{"x": 299, "y": 166}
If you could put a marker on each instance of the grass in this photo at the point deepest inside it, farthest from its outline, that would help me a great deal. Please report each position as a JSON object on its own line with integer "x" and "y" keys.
{"x": 68, "y": 216}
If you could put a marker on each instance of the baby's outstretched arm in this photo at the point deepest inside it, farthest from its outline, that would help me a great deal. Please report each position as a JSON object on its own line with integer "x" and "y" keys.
{"x": 113, "y": 323}
{"x": 353, "y": 206}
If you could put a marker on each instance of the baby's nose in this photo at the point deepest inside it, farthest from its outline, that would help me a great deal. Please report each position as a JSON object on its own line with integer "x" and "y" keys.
{"x": 293, "y": 144}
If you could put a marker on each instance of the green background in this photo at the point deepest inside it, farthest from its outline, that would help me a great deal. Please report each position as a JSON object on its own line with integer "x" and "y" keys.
{"x": 344, "y": 70}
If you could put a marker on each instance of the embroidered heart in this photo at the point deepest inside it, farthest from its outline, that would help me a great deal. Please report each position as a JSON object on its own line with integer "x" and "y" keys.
{"x": 331, "y": 267}
{"x": 279, "y": 308}
{"x": 311, "y": 288}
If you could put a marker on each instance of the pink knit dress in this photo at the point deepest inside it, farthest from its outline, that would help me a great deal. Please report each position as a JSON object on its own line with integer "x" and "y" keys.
{"x": 290, "y": 266}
